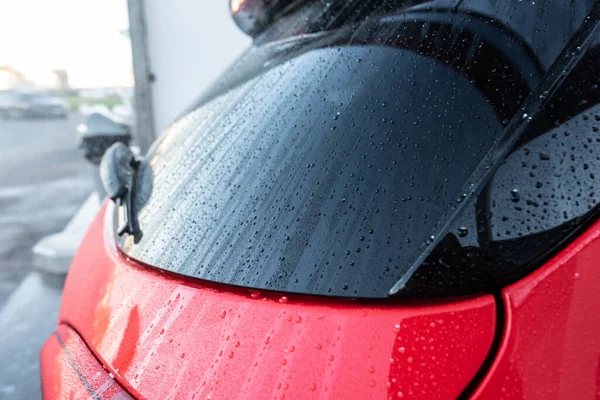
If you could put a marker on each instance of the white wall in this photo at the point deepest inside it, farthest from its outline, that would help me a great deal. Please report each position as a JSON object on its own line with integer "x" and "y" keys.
{"x": 190, "y": 42}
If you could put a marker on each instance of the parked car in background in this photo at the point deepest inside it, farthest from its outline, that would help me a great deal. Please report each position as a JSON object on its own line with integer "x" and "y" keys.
{"x": 15, "y": 105}
{"x": 8, "y": 99}
{"x": 379, "y": 200}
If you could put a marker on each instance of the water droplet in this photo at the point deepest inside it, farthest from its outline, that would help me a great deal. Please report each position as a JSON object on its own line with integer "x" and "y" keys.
{"x": 223, "y": 313}
{"x": 515, "y": 196}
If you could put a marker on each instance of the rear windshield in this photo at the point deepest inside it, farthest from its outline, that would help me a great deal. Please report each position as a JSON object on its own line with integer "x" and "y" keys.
{"x": 326, "y": 161}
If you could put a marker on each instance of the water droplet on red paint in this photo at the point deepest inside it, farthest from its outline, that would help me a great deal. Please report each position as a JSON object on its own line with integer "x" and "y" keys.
{"x": 283, "y": 299}
{"x": 255, "y": 294}
{"x": 237, "y": 344}
{"x": 283, "y": 362}
{"x": 223, "y": 313}
{"x": 267, "y": 339}
{"x": 162, "y": 331}
{"x": 396, "y": 328}
{"x": 313, "y": 386}
{"x": 182, "y": 355}
{"x": 230, "y": 355}
{"x": 318, "y": 346}
{"x": 298, "y": 319}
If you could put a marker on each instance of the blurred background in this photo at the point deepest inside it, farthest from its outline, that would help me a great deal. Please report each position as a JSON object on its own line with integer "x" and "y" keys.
{"x": 64, "y": 63}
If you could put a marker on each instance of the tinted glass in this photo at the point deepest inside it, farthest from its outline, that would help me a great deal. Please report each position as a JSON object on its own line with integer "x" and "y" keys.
{"x": 328, "y": 163}
{"x": 544, "y": 194}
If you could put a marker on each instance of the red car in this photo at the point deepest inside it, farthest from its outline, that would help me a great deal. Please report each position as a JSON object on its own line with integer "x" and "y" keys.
{"x": 378, "y": 200}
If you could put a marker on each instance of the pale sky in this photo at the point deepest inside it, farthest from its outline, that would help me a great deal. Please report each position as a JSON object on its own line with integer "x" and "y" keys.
{"x": 80, "y": 36}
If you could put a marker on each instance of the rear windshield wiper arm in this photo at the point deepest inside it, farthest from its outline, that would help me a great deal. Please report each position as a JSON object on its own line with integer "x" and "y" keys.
{"x": 118, "y": 170}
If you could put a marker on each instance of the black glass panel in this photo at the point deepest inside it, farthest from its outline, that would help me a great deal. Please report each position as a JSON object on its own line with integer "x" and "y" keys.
{"x": 321, "y": 163}
{"x": 543, "y": 195}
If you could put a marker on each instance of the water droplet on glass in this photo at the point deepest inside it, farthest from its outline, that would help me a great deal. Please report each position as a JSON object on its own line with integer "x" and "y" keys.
{"x": 515, "y": 196}
{"x": 462, "y": 232}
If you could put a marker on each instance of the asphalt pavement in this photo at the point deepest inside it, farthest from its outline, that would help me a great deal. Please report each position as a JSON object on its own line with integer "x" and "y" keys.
{"x": 43, "y": 181}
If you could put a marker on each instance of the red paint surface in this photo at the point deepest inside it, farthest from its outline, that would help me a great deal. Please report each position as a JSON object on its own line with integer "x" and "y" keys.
{"x": 551, "y": 345}
{"x": 70, "y": 371}
{"x": 164, "y": 336}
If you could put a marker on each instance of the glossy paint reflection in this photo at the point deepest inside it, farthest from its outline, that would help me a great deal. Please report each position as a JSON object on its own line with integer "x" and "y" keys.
{"x": 70, "y": 371}
{"x": 199, "y": 339}
{"x": 551, "y": 345}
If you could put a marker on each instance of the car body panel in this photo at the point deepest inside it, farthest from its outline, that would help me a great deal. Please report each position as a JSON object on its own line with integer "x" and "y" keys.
{"x": 551, "y": 346}
{"x": 166, "y": 336}
{"x": 70, "y": 371}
